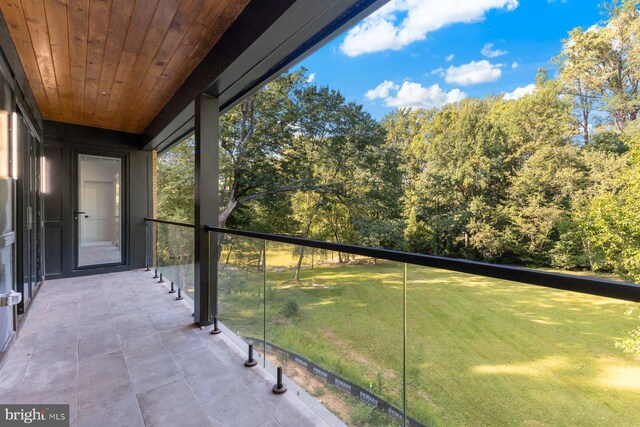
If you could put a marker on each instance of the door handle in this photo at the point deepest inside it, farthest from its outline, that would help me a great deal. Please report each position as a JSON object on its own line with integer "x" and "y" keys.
{"x": 78, "y": 213}
{"x": 10, "y": 298}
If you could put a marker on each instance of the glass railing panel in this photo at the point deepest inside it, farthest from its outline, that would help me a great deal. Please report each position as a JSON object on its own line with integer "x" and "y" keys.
{"x": 174, "y": 256}
{"x": 335, "y": 327}
{"x": 150, "y": 246}
{"x": 241, "y": 286}
{"x": 483, "y": 351}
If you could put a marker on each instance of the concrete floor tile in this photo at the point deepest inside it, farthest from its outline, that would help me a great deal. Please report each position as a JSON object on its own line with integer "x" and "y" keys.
{"x": 142, "y": 344}
{"x": 101, "y": 343}
{"x": 227, "y": 409}
{"x": 123, "y": 413}
{"x": 150, "y": 371}
{"x": 96, "y": 399}
{"x": 11, "y": 378}
{"x": 108, "y": 370}
{"x": 173, "y": 405}
{"x": 180, "y": 339}
{"x": 42, "y": 375}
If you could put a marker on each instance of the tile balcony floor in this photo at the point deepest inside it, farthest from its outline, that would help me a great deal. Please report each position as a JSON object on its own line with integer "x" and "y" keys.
{"x": 123, "y": 352}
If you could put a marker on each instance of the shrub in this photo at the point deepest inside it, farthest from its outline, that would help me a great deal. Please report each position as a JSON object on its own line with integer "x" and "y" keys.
{"x": 290, "y": 309}
{"x": 365, "y": 415}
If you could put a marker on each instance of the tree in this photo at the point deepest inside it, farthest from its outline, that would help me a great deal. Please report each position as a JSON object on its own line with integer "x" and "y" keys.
{"x": 458, "y": 174}
{"x": 176, "y": 182}
{"x": 256, "y": 140}
{"x": 600, "y": 66}
{"x": 354, "y": 173}
{"x": 612, "y": 219}
{"x": 577, "y": 62}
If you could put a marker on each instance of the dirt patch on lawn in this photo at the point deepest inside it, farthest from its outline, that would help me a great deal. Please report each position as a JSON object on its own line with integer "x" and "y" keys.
{"x": 332, "y": 400}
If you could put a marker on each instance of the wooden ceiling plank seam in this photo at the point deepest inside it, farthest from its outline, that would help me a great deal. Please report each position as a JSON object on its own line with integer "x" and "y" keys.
{"x": 38, "y": 34}
{"x": 162, "y": 19}
{"x": 185, "y": 13}
{"x": 78, "y": 30}
{"x": 230, "y": 10}
{"x": 159, "y": 28}
{"x": 55, "y": 15}
{"x": 85, "y": 120}
{"x": 14, "y": 16}
{"x": 121, "y": 14}
{"x": 131, "y": 49}
{"x": 45, "y": 57}
{"x": 85, "y": 116}
{"x": 126, "y": 92}
{"x": 99, "y": 43}
{"x": 231, "y": 13}
{"x": 183, "y": 58}
{"x": 152, "y": 86}
{"x": 103, "y": 62}
{"x": 209, "y": 40}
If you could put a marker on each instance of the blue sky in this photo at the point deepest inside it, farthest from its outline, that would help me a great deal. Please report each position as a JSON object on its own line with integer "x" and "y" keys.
{"x": 425, "y": 53}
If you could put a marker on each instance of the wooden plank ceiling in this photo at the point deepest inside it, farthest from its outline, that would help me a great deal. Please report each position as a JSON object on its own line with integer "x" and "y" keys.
{"x": 113, "y": 64}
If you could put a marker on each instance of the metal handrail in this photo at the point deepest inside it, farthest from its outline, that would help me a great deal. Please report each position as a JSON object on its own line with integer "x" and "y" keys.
{"x": 585, "y": 285}
{"x": 164, "y": 221}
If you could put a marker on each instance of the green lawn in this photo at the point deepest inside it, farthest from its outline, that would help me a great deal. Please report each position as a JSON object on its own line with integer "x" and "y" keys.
{"x": 480, "y": 351}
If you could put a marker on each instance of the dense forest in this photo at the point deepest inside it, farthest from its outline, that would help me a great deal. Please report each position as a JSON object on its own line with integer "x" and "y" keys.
{"x": 551, "y": 179}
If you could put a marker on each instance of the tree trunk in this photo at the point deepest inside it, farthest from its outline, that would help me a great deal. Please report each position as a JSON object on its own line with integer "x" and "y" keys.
{"x": 228, "y": 254}
{"x": 306, "y": 236}
{"x": 585, "y": 126}
{"x": 297, "y": 278}
{"x": 260, "y": 263}
{"x": 226, "y": 212}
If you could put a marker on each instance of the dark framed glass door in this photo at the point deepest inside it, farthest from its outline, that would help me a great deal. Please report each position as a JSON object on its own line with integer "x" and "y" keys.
{"x": 8, "y": 235}
{"x": 29, "y": 212}
{"x": 99, "y": 211}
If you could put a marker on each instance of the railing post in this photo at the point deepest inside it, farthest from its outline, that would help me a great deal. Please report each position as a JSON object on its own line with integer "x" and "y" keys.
{"x": 206, "y": 207}
{"x": 279, "y": 388}
{"x": 146, "y": 245}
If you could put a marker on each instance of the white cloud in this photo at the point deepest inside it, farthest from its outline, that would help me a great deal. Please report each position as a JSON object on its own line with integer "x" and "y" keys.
{"x": 438, "y": 71}
{"x": 450, "y": 57}
{"x": 402, "y": 22}
{"x": 594, "y": 27}
{"x": 311, "y": 77}
{"x": 515, "y": 65}
{"x": 473, "y": 73}
{"x": 519, "y": 92}
{"x": 411, "y": 94}
{"x": 382, "y": 91}
{"x": 488, "y": 51}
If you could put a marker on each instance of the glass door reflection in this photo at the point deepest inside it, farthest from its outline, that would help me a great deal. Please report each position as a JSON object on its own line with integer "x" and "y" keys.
{"x": 99, "y": 208}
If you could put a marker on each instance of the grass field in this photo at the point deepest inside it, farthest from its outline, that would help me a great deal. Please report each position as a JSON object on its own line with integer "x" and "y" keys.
{"x": 480, "y": 351}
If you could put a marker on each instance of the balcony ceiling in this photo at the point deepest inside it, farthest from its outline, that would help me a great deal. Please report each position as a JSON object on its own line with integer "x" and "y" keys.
{"x": 113, "y": 64}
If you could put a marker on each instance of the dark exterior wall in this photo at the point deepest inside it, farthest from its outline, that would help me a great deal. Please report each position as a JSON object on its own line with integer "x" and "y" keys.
{"x": 62, "y": 144}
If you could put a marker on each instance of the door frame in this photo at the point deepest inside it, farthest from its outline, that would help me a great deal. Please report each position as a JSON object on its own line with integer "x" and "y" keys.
{"x": 29, "y": 168}
{"x": 124, "y": 209}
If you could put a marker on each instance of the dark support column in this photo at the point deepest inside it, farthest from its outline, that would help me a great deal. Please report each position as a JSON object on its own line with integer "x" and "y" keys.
{"x": 206, "y": 208}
